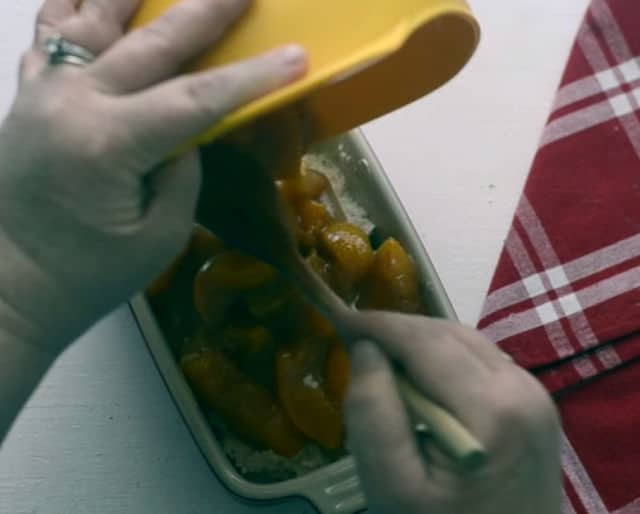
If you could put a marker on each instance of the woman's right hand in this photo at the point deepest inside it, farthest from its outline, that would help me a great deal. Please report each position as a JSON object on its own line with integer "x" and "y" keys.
{"x": 499, "y": 402}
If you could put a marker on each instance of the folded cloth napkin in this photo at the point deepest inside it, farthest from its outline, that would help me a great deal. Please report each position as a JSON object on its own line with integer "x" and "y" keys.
{"x": 565, "y": 298}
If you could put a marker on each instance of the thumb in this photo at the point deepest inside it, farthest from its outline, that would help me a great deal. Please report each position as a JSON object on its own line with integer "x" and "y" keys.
{"x": 380, "y": 435}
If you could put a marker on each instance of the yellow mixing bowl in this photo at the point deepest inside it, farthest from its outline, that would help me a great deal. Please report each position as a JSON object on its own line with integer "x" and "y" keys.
{"x": 367, "y": 57}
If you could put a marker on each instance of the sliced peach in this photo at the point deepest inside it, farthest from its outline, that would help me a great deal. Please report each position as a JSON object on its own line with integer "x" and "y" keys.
{"x": 392, "y": 283}
{"x": 235, "y": 271}
{"x": 337, "y": 371}
{"x": 223, "y": 278}
{"x": 320, "y": 266}
{"x": 201, "y": 246}
{"x": 318, "y": 325}
{"x": 347, "y": 249}
{"x": 304, "y": 398}
{"x": 205, "y": 244}
{"x": 251, "y": 339}
{"x": 313, "y": 216}
{"x": 212, "y": 303}
{"x": 306, "y": 185}
{"x": 248, "y": 408}
{"x": 269, "y": 300}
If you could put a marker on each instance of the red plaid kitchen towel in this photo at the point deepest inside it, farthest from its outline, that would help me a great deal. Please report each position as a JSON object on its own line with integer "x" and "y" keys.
{"x": 565, "y": 299}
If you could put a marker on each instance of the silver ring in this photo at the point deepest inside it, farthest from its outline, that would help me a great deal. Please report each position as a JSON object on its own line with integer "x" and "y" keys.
{"x": 63, "y": 51}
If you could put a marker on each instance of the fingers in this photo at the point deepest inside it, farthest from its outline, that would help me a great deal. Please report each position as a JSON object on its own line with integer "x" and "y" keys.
{"x": 51, "y": 14}
{"x": 453, "y": 366}
{"x": 436, "y": 360}
{"x": 487, "y": 351}
{"x": 155, "y": 52}
{"x": 380, "y": 435}
{"x": 505, "y": 408}
{"x": 169, "y": 114}
{"x": 448, "y": 364}
{"x": 98, "y": 24}
{"x": 117, "y": 12}
{"x": 92, "y": 24}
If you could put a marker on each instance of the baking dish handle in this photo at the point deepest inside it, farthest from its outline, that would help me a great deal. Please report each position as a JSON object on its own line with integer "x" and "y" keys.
{"x": 337, "y": 491}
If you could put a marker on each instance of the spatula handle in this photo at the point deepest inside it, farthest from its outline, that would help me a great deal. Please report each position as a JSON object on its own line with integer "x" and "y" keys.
{"x": 451, "y": 437}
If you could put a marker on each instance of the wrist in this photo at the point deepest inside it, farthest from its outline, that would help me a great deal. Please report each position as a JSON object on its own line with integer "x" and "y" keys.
{"x": 22, "y": 367}
{"x": 34, "y": 310}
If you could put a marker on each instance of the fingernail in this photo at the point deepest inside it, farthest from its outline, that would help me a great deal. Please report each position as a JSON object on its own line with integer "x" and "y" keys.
{"x": 366, "y": 357}
{"x": 293, "y": 55}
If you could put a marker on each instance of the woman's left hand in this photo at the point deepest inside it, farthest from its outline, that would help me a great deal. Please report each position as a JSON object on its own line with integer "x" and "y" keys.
{"x": 90, "y": 211}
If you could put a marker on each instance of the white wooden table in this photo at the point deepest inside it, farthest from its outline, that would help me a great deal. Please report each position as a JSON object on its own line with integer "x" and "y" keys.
{"x": 101, "y": 434}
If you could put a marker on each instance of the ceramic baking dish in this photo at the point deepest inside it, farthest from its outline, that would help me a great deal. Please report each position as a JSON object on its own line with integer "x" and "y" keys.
{"x": 334, "y": 488}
